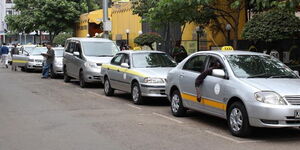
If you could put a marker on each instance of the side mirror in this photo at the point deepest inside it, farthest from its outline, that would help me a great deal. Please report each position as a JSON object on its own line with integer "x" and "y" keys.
{"x": 296, "y": 72}
{"x": 124, "y": 65}
{"x": 218, "y": 73}
{"x": 76, "y": 54}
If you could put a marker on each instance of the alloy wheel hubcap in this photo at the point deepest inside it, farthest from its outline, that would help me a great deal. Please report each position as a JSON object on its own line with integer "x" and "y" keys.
{"x": 175, "y": 103}
{"x": 135, "y": 93}
{"x": 236, "y": 119}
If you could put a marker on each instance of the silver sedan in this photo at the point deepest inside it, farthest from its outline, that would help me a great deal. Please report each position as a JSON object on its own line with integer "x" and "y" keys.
{"x": 250, "y": 90}
{"x": 141, "y": 73}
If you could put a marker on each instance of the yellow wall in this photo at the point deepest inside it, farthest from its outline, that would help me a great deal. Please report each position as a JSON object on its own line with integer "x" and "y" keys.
{"x": 122, "y": 19}
{"x": 82, "y": 26}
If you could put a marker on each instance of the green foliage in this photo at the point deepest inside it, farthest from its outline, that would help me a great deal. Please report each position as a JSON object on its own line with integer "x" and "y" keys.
{"x": 61, "y": 38}
{"x": 141, "y": 7}
{"x": 147, "y": 39}
{"x": 271, "y": 26}
{"x": 262, "y": 5}
{"x": 178, "y": 11}
{"x": 54, "y": 16}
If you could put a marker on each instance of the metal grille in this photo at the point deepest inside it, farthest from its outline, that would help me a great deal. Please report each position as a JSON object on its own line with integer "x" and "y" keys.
{"x": 293, "y": 100}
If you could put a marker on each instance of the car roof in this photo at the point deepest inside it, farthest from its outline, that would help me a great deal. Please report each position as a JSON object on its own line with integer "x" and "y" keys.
{"x": 233, "y": 52}
{"x": 140, "y": 51}
{"x": 90, "y": 39}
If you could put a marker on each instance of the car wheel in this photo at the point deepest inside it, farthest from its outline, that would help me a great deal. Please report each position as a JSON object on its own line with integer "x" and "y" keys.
{"x": 108, "y": 91}
{"x": 237, "y": 120}
{"x": 177, "y": 107}
{"x": 136, "y": 94}
{"x": 66, "y": 77}
{"x": 82, "y": 82}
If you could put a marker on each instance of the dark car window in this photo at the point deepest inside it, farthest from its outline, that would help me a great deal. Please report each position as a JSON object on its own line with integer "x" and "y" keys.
{"x": 213, "y": 60}
{"x": 71, "y": 47}
{"x": 196, "y": 63}
{"x": 117, "y": 59}
{"x": 126, "y": 59}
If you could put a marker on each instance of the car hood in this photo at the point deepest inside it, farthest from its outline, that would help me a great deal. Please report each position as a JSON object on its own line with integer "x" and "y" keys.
{"x": 281, "y": 86}
{"x": 40, "y": 57}
{"x": 99, "y": 59}
{"x": 154, "y": 72}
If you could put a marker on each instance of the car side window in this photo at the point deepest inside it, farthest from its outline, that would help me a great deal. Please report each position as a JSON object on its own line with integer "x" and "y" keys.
{"x": 78, "y": 48}
{"x": 213, "y": 61}
{"x": 126, "y": 59}
{"x": 71, "y": 47}
{"x": 196, "y": 63}
{"x": 117, "y": 59}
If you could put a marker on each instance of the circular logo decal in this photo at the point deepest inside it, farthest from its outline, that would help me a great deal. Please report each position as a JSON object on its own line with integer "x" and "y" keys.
{"x": 217, "y": 89}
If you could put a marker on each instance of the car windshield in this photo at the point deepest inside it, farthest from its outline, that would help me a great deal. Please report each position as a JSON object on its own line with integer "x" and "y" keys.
{"x": 59, "y": 52}
{"x": 150, "y": 60}
{"x": 100, "y": 49}
{"x": 29, "y": 49}
{"x": 259, "y": 66}
{"x": 38, "y": 50}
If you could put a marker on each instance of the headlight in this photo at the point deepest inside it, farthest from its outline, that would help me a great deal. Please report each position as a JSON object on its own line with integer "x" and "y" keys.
{"x": 31, "y": 60}
{"x": 91, "y": 65}
{"x": 269, "y": 98}
{"x": 153, "y": 80}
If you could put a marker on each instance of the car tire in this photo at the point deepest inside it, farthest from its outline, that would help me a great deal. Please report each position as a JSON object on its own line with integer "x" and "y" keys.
{"x": 82, "y": 82}
{"x": 66, "y": 77}
{"x": 108, "y": 91}
{"x": 177, "y": 107}
{"x": 136, "y": 94}
{"x": 238, "y": 121}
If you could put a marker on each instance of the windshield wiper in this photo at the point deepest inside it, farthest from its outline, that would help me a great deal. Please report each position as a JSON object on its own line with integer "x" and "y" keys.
{"x": 263, "y": 75}
{"x": 283, "y": 76}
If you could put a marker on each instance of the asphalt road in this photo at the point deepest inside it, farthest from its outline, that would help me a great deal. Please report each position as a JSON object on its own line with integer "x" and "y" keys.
{"x": 39, "y": 114}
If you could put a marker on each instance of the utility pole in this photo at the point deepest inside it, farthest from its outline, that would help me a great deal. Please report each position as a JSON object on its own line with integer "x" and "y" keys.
{"x": 106, "y": 22}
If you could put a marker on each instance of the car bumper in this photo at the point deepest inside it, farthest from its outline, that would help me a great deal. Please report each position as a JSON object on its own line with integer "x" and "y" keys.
{"x": 58, "y": 69}
{"x": 92, "y": 75}
{"x": 35, "y": 65}
{"x": 153, "y": 90}
{"x": 273, "y": 116}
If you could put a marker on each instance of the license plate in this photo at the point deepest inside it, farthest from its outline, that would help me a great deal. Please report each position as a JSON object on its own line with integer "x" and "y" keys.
{"x": 297, "y": 114}
{"x": 38, "y": 64}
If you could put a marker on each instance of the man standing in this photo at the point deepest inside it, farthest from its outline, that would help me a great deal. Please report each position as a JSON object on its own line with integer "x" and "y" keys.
{"x": 49, "y": 61}
{"x": 14, "y": 51}
{"x": 4, "y": 52}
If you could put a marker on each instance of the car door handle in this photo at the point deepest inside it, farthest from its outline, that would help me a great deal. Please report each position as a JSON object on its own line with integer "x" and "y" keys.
{"x": 118, "y": 70}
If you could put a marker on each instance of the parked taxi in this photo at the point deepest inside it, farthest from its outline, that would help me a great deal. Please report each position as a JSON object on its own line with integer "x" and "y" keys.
{"x": 250, "y": 90}
{"x": 141, "y": 73}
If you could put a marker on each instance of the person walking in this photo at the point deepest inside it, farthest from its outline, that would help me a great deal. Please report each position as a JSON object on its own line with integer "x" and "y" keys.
{"x": 179, "y": 52}
{"x": 4, "y": 56}
{"x": 49, "y": 61}
{"x": 14, "y": 51}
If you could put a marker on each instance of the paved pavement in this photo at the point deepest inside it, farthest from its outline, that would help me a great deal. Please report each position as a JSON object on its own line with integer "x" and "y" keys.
{"x": 39, "y": 114}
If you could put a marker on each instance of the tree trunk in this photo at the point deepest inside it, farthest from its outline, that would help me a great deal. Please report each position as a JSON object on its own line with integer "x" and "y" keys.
{"x": 235, "y": 37}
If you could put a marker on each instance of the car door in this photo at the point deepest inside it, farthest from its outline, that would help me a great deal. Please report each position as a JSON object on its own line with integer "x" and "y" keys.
{"x": 21, "y": 59}
{"x": 78, "y": 60}
{"x": 187, "y": 76}
{"x": 214, "y": 89}
{"x": 68, "y": 57}
{"x": 124, "y": 77}
{"x": 114, "y": 73}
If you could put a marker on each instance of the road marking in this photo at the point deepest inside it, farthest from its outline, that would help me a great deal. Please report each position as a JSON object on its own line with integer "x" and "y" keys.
{"x": 130, "y": 105}
{"x": 166, "y": 117}
{"x": 231, "y": 139}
